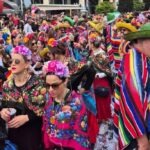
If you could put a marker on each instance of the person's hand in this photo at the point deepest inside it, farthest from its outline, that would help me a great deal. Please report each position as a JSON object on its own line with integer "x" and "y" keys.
{"x": 143, "y": 143}
{"x": 81, "y": 90}
{"x": 5, "y": 114}
{"x": 77, "y": 45}
{"x": 18, "y": 121}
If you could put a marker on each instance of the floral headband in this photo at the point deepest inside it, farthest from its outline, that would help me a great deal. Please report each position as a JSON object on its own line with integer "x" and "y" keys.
{"x": 93, "y": 36}
{"x": 42, "y": 39}
{"x": 57, "y": 68}
{"x": 22, "y": 50}
{"x": 52, "y": 42}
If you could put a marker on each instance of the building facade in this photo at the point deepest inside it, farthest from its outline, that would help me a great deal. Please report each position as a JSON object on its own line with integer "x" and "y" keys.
{"x": 62, "y": 5}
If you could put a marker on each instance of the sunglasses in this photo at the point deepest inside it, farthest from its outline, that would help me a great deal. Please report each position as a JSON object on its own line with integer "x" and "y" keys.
{"x": 16, "y": 61}
{"x": 53, "y": 86}
{"x": 123, "y": 30}
{"x": 34, "y": 43}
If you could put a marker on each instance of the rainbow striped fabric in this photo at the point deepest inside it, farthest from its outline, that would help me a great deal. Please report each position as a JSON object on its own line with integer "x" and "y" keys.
{"x": 113, "y": 44}
{"x": 132, "y": 98}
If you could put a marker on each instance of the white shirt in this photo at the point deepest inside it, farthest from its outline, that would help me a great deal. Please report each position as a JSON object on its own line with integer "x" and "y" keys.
{"x": 28, "y": 29}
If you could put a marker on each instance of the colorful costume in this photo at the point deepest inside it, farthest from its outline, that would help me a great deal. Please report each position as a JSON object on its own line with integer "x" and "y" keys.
{"x": 113, "y": 50}
{"x": 65, "y": 124}
{"x": 27, "y": 100}
{"x": 100, "y": 63}
{"x": 132, "y": 116}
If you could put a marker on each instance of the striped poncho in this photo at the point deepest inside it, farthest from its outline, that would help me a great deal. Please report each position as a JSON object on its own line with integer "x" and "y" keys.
{"x": 113, "y": 44}
{"x": 132, "y": 98}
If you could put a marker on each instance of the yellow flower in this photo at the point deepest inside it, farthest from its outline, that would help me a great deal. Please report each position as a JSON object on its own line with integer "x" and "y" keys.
{"x": 93, "y": 35}
{"x": 43, "y": 91}
{"x": 52, "y": 42}
{"x": 52, "y": 120}
{"x": 26, "y": 39}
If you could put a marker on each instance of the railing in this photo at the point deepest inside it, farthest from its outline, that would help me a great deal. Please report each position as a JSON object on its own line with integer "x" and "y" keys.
{"x": 58, "y": 5}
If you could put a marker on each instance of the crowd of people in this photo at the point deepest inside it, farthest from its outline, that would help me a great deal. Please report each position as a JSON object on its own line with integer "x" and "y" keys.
{"x": 75, "y": 82}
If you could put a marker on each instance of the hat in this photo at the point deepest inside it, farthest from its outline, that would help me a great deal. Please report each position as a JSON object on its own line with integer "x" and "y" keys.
{"x": 111, "y": 17}
{"x": 126, "y": 25}
{"x": 98, "y": 27}
{"x": 142, "y": 33}
{"x": 62, "y": 25}
{"x": 44, "y": 52}
{"x": 69, "y": 20}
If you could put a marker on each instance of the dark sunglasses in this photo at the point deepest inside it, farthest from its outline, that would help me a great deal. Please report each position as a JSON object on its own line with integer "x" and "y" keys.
{"x": 16, "y": 61}
{"x": 53, "y": 86}
{"x": 123, "y": 30}
{"x": 34, "y": 43}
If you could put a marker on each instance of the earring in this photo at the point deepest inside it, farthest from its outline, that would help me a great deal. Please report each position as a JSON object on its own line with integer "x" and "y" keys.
{"x": 25, "y": 74}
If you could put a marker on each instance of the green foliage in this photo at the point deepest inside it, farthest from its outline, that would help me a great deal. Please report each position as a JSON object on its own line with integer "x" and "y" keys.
{"x": 105, "y": 7}
{"x": 137, "y": 5}
{"x": 125, "y": 6}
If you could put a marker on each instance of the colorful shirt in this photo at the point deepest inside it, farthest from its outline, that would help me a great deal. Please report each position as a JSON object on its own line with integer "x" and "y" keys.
{"x": 32, "y": 94}
{"x": 65, "y": 124}
{"x": 132, "y": 98}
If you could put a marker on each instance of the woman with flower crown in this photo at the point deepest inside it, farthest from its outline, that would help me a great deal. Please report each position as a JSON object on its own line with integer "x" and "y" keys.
{"x": 65, "y": 117}
{"x": 25, "y": 93}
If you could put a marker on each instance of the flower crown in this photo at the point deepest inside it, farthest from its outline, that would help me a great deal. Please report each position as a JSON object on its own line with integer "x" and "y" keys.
{"x": 52, "y": 42}
{"x": 57, "y": 68}
{"x": 22, "y": 50}
{"x": 93, "y": 36}
{"x": 41, "y": 38}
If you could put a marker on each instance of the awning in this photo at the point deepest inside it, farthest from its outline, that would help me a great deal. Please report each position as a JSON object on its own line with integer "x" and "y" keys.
{"x": 58, "y": 7}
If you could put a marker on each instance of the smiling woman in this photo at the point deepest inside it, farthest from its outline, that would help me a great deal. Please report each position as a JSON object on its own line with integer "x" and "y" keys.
{"x": 25, "y": 93}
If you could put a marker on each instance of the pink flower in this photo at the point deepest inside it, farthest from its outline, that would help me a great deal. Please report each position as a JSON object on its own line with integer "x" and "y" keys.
{"x": 22, "y": 50}
{"x": 51, "y": 66}
{"x": 57, "y": 68}
{"x": 35, "y": 93}
{"x": 26, "y": 97}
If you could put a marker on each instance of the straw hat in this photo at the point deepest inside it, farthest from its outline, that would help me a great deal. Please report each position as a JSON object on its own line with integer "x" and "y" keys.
{"x": 126, "y": 25}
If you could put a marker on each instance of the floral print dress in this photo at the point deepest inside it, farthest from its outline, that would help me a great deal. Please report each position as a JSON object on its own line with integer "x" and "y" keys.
{"x": 28, "y": 99}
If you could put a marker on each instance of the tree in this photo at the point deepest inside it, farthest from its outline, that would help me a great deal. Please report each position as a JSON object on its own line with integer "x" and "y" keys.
{"x": 105, "y": 7}
{"x": 125, "y": 5}
{"x": 137, "y": 5}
